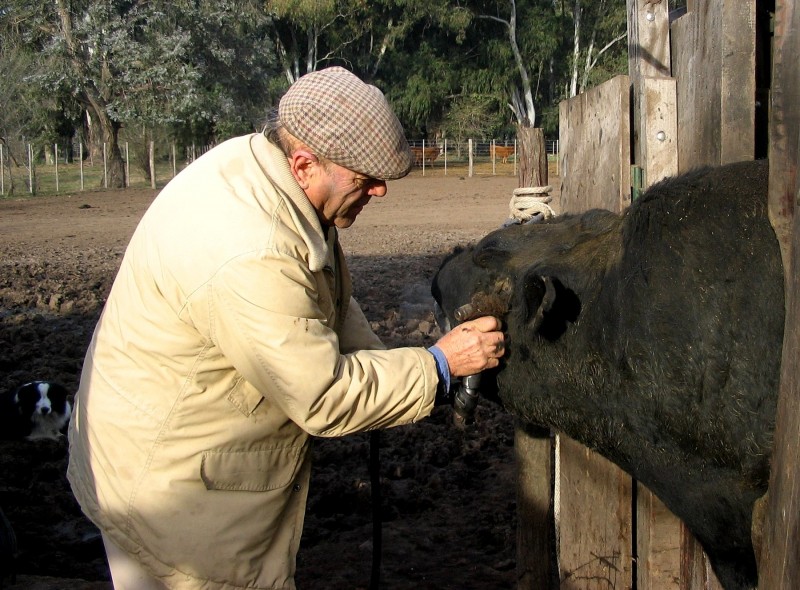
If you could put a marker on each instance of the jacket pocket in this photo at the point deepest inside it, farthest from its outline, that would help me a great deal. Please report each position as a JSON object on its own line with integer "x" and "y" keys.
{"x": 244, "y": 397}
{"x": 251, "y": 471}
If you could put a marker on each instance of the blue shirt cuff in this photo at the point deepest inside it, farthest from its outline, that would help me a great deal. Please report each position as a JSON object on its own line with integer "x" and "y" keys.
{"x": 442, "y": 368}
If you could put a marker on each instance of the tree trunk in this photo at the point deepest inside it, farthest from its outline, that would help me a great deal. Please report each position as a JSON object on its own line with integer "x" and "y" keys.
{"x": 532, "y": 169}
{"x": 95, "y": 102}
{"x": 109, "y": 135}
{"x": 152, "y": 152}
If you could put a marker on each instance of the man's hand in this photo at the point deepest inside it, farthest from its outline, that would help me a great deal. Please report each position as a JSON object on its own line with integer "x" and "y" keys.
{"x": 473, "y": 346}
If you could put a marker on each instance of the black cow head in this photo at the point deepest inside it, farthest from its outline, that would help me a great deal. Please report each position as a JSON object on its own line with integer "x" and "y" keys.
{"x": 520, "y": 274}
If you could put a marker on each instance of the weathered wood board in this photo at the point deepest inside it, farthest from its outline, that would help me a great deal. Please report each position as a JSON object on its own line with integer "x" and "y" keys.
{"x": 594, "y": 148}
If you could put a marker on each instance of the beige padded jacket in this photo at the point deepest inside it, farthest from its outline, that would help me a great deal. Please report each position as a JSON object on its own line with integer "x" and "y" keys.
{"x": 229, "y": 339}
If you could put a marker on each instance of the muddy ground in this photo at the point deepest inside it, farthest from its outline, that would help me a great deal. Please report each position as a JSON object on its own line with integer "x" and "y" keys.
{"x": 448, "y": 504}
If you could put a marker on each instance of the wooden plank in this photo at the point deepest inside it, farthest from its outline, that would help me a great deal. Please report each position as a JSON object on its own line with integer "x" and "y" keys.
{"x": 658, "y": 543}
{"x": 594, "y": 148}
{"x": 594, "y": 522}
{"x": 696, "y": 66}
{"x": 779, "y": 566}
{"x": 648, "y": 57}
{"x": 648, "y": 40}
{"x": 533, "y": 451}
{"x": 713, "y": 62}
{"x": 784, "y": 125}
{"x": 659, "y": 129}
{"x": 696, "y": 572}
{"x": 594, "y": 525}
{"x": 738, "y": 81}
{"x": 658, "y": 531}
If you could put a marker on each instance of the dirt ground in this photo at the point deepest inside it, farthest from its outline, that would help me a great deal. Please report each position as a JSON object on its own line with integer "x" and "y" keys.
{"x": 448, "y": 497}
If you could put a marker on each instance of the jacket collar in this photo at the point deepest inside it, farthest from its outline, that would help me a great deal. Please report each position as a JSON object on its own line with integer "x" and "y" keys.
{"x": 275, "y": 166}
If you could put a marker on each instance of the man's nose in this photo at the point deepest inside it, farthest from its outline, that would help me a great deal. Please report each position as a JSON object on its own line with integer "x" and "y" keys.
{"x": 377, "y": 189}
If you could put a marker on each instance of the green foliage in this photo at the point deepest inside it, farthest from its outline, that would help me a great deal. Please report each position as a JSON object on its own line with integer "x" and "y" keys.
{"x": 472, "y": 116}
{"x": 204, "y": 70}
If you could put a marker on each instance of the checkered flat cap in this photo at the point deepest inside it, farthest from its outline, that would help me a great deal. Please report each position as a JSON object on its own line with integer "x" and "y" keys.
{"x": 348, "y": 122}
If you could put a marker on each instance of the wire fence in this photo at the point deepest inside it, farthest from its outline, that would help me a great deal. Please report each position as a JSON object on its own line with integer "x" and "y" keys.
{"x": 70, "y": 168}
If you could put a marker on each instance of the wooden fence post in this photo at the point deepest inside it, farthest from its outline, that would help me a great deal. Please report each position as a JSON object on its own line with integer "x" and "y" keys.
{"x": 80, "y": 157}
{"x": 655, "y": 153}
{"x": 31, "y": 175}
{"x": 532, "y": 157}
{"x": 779, "y": 566}
{"x": 594, "y": 546}
{"x": 537, "y": 565}
{"x": 784, "y": 126}
{"x": 152, "y": 159}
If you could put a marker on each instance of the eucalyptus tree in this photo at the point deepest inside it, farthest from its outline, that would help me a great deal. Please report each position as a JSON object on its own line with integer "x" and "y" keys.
{"x": 301, "y": 32}
{"x": 598, "y": 29}
{"x": 144, "y": 63}
{"x": 202, "y": 71}
{"x": 18, "y": 115}
{"x": 424, "y": 70}
{"x": 405, "y": 47}
{"x": 237, "y": 59}
{"x": 547, "y": 44}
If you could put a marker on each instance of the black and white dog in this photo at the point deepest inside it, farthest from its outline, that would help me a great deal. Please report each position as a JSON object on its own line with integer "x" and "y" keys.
{"x": 39, "y": 409}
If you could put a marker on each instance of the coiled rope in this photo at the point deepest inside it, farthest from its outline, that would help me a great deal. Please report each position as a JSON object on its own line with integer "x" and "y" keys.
{"x": 530, "y": 204}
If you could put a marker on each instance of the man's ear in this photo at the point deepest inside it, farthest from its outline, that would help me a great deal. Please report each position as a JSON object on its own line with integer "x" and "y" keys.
{"x": 303, "y": 164}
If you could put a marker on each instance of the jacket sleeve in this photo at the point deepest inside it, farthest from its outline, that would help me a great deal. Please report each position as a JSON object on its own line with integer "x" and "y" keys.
{"x": 357, "y": 333}
{"x": 274, "y": 333}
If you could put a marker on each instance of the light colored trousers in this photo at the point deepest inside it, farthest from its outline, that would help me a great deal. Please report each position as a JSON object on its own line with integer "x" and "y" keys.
{"x": 126, "y": 573}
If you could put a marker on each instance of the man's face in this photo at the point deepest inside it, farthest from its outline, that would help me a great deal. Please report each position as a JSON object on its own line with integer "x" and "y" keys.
{"x": 340, "y": 194}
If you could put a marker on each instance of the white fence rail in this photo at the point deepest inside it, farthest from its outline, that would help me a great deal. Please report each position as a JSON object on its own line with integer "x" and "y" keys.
{"x": 73, "y": 168}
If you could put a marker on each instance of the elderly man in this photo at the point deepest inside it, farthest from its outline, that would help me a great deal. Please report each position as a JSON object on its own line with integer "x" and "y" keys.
{"x": 230, "y": 338}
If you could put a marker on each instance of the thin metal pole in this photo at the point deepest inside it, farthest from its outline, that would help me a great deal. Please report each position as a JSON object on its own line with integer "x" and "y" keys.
{"x": 105, "y": 167}
{"x": 445, "y": 157}
{"x": 127, "y": 166}
{"x": 55, "y": 154}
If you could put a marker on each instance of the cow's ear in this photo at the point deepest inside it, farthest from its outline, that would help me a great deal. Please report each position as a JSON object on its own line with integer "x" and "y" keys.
{"x": 549, "y": 305}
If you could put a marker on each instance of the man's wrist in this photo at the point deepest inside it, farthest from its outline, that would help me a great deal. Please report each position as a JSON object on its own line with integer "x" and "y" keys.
{"x": 442, "y": 370}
